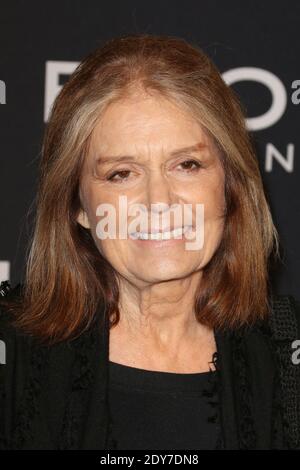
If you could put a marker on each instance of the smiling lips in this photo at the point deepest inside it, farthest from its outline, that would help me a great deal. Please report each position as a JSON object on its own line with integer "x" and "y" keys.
{"x": 161, "y": 235}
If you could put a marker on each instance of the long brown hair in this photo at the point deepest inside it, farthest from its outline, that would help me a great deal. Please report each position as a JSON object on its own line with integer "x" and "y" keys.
{"x": 66, "y": 275}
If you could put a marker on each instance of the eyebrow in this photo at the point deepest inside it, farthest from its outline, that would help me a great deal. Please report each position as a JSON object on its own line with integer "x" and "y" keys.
{"x": 117, "y": 159}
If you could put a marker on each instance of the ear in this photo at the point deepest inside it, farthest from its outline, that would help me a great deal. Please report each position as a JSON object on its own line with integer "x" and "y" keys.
{"x": 82, "y": 219}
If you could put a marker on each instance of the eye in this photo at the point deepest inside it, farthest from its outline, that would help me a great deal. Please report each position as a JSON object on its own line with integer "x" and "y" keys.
{"x": 122, "y": 174}
{"x": 191, "y": 165}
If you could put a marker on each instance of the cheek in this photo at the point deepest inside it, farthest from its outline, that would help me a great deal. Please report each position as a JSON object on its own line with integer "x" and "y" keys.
{"x": 95, "y": 198}
{"x": 117, "y": 253}
{"x": 212, "y": 198}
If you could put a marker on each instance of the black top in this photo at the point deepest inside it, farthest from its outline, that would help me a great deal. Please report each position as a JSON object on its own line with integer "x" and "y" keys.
{"x": 162, "y": 410}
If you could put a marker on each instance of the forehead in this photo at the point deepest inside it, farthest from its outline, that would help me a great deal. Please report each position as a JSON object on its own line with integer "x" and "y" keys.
{"x": 145, "y": 124}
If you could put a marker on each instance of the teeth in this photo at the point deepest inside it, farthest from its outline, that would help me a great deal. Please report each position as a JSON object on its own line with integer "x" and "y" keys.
{"x": 160, "y": 235}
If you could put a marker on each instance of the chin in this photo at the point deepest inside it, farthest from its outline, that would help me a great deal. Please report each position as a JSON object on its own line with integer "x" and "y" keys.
{"x": 160, "y": 275}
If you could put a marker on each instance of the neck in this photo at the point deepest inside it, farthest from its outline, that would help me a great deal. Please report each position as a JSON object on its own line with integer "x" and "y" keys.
{"x": 162, "y": 313}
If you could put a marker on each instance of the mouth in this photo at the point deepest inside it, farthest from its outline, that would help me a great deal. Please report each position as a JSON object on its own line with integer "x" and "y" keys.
{"x": 161, "y": 235}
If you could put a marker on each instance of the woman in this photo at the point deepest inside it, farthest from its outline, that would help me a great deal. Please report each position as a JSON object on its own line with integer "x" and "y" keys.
{"x": 168, "y": 337}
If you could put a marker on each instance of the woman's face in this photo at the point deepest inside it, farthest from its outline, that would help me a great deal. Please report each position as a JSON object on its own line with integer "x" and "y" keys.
{"x": 150, "y": 133}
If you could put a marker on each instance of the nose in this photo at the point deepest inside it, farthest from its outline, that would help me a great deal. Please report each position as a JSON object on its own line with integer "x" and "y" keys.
{"x": 159, "y": 196}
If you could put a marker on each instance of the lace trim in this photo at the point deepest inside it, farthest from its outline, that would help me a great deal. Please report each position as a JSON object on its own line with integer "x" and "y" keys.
{"x": 284, "y": 326}
{"x": 81, "y": 380}
{"x": 246, "y": 434}
{"x": 213, "y": 394}
{"x": 28, "y": 409}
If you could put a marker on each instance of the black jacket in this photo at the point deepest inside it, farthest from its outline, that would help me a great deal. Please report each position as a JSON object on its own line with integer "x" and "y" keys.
{"x": 55, "y": 397}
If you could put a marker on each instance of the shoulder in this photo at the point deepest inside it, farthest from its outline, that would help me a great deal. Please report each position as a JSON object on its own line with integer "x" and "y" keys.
{"x": 282, "y": 322}
{"x": 20, "y": 349}
{"x": 284, "y": 319}
{"x": 15, "y": 349}
{"x": 269, "y": 343}
{"x": 280, "y": 329}
{"x": 12, "y": 341}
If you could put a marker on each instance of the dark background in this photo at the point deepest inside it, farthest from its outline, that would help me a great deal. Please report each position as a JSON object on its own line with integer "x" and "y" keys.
{"x": 234, "y": 34}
